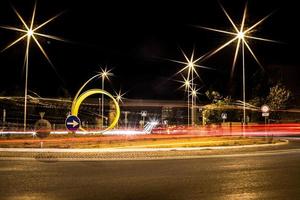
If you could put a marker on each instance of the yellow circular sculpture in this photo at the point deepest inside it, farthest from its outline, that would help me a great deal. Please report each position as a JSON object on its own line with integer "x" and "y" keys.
{"x": 77, "y": 102}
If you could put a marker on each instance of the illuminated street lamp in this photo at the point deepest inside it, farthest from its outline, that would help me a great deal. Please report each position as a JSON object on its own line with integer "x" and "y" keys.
{"x": 194, "y": 94}
{"x": 30, "y": 32}
{"x": 241, "y": 35}
{"x": 119, "y": 97}
{"x": 191, "y": 65}
{"x": 187, "y": 85}
{"x": 104, "y": 74}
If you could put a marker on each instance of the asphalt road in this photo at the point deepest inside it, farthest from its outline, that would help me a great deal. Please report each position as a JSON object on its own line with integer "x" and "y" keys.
{"x": 254, "y": 175}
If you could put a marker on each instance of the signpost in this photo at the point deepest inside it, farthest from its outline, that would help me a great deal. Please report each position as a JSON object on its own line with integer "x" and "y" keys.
{"x": 224, "y": 117}
{"x": 144, "y": 114}
{"x": 72, "y": 123}
{"x": 265, "y": 112}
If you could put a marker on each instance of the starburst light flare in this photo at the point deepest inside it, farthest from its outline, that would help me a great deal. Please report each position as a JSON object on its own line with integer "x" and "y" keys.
{"x": 119, "y": 96}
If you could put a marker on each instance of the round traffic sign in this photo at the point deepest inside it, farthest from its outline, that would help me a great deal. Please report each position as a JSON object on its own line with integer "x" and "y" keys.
{"x": 72, "y": 123}
{"x": 265, "y": 108}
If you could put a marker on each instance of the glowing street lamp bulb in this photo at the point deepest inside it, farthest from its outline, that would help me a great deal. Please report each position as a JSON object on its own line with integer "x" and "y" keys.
{"x": 105, "y": 73}
{"x": 30, "y": 32}
{"x": 118, "y": 98}
{"x": 241, "y": 35}
{"x": 187, "y": 82}
{"x": 194, "y": 93}
{"x": 190, "y": 64}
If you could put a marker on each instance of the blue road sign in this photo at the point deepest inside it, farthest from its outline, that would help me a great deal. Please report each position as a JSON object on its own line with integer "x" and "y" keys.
{"x": 72, "y": 123}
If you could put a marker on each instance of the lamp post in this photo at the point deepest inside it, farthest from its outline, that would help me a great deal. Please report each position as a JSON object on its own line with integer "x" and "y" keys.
{"x": 30, "y": 33}
{"x": 104, "y": 75}
{"x": 194, "y": 93}
{"x": 241, "y": 35}
{"x": 187, "y": 85}
{"x": 119, "y": 98}
{"x": 190, "y": 64}
{"x": 191, "y": 88}
{"x": 102, "y": 100}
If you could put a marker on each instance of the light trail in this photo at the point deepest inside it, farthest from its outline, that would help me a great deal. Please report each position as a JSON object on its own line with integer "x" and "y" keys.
{"x": 287, "y": 129}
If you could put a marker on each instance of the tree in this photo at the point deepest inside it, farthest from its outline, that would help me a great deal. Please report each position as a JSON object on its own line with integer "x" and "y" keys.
{"x": 213, "y": 111}
{"x": 278, "y": 97}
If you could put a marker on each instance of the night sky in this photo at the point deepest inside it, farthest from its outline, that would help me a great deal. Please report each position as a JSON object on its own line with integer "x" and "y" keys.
{"x": 136, "y": 39}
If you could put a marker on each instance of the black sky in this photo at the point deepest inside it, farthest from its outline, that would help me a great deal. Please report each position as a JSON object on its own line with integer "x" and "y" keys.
{"x": 135, "y": 39}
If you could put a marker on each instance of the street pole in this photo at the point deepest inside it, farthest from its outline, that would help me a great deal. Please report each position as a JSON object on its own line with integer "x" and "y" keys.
{"x": 192, "y": 107}
{"x": 126, "y": 119}
{"x": 244, "y": 85}
{"x": 102, "y": 102}
{"x": 188, "y": 106}
{"x": 4, "y": 116}
{"x": 100, "y": 117}
{"x": 26, "y": 82}
{"x": 265, "y": 120}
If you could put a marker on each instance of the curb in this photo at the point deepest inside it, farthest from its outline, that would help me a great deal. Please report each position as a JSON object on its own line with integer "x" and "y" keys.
{"x": 119, "y": 150}
{"x": 262, "y": 153}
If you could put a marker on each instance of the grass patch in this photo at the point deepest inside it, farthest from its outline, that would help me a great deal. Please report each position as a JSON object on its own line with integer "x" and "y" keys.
{"x": 136, "y": 142}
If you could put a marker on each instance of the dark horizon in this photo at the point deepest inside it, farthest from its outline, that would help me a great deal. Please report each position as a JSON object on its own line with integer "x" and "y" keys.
{"x": 135, "y": 41}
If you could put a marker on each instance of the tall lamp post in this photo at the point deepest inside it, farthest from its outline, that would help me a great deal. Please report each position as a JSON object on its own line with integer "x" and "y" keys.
{"x": 30, "y": 33}
{"x": 190, "y": 65}
{"x": 104, "y": 74}
{"x": 119, "y": 98}
{"x": 187, "y": 85}
{"x": 194, "y": 93}
{"x": 241, "y": 35}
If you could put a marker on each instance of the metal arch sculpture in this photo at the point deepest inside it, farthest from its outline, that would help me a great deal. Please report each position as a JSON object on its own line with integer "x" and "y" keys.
{"x": 78, "y": 100}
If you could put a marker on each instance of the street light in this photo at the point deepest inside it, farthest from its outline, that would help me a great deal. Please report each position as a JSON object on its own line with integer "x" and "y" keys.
{"x": 240, "y": 35}
{"x": 30, "y": 33}
{"x": 187, "y": 85}
{"x": 190, "y": 64}
{"x": 119, "y": 97}
{"x": 104, "y": 74}
{"x": 194, "y": 93}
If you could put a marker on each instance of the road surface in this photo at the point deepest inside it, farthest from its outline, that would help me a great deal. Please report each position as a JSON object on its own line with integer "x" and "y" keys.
{"x": 255, "y": 175}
